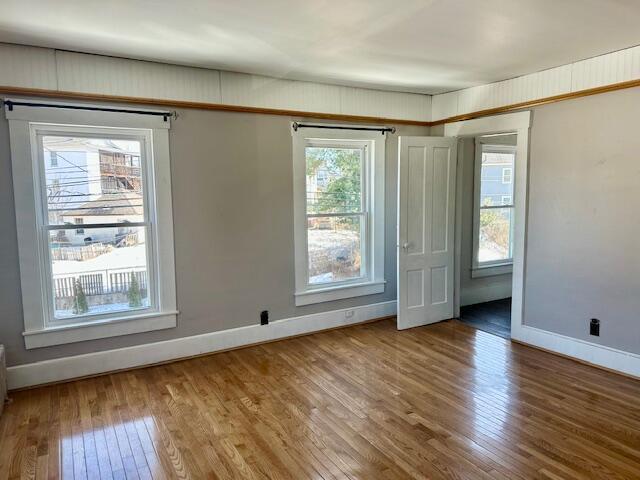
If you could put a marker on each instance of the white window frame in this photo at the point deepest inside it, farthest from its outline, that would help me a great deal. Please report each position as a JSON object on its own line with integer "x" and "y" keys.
{"x": 496, "y": 267}
{"x": 25, "y": 123}
{"x": 373, "y": 186}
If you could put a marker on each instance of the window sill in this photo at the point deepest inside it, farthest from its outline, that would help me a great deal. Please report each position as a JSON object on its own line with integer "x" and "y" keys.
{"x": 492, "y": 270}
{"x": 329, "y": 294}
{"x": 80, "y": 332}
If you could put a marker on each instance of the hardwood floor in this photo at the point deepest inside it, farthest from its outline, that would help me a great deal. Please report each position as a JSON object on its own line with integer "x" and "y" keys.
{"x": 367, "y": 402}
{"x": 492, "y": 317}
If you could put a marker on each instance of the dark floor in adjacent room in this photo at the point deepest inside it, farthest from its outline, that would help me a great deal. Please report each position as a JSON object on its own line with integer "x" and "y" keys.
{"x": 491, "y": 317}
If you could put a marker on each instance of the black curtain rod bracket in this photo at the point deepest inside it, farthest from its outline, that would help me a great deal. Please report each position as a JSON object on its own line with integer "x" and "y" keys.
{"x": 382, "y": 130}
{"x": 165, "y": 115}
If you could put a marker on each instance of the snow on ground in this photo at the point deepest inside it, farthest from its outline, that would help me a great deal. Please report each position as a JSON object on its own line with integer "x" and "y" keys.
{"x": 328, "y": 240}
{"x": 331, "y": 250}
{"x": 322, "y": 278}
{"x": 491, "y": 252}
{"x": 98, "y": 309}
{"x": 118, "y": 258}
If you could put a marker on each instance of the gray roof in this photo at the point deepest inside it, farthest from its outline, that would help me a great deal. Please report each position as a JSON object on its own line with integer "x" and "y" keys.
{"x": 121, "y": 204}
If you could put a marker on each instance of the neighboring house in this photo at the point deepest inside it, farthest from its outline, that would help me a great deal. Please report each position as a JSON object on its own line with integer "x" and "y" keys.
{"x": 107, "y": 208}
{"x": 318, "y": 181}
{"x": 497, "y": 180}
{"x": 316, "y": 185}
{"x": 89, "y": 183}
{"x": 68, "y": 166}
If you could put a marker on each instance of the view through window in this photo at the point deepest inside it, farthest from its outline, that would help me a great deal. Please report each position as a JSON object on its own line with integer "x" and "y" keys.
{"x": 336, "y": 213}
{"x": 495, "y": 235}
{"x": 96, "y": 225}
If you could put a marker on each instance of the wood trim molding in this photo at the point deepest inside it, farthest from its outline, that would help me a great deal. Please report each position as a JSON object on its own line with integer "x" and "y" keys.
{"x": 37, "y": 92}
{"x": 535, "y": 103}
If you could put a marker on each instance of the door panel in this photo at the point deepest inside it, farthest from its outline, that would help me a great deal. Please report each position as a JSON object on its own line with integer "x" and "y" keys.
{"x": 415, "y": 288}
{"x": 416, "y": 179}
{"x": 440, "y": 200}
{"x": 425, "y": 233}
{"x": 439, "y": 285}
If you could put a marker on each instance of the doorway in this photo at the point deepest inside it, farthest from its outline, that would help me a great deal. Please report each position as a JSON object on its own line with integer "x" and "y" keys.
{"x": 486, "y": 165}
{"x": 426, "y": 290}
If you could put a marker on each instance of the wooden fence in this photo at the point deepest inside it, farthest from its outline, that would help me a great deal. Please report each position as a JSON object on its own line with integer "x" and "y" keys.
{"x": 120, "y": 281}
{"x": 80, "y": 253}
{"x": 93, "y": 283}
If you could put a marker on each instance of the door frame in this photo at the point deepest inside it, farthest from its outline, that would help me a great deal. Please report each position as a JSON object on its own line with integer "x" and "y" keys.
{"x": 508, "y": 123}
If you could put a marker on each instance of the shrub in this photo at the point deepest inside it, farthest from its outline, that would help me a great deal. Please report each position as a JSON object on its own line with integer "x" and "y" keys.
{"x": 80, "y": 305}
{"x": 134, "y": 294}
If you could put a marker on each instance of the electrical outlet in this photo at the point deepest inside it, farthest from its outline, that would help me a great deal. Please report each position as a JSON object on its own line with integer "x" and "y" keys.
{"x": 594, "y": 327}
{"x": 349, "y": 313}
{"x": 264, "y": 317}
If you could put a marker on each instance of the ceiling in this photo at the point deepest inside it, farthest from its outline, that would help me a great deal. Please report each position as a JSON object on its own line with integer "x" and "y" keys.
{"x": 427, "y": 46}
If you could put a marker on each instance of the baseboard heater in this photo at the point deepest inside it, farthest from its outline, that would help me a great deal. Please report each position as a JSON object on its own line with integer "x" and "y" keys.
{"x": 3, "y": 379}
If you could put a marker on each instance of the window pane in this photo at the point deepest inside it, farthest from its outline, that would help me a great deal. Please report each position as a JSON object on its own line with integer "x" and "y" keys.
{"x": 334, "y": 248}
{"x": 495, "y": 234}
{"x": 100, "y": 270}
{"x": 96, "y": 179}
{"x": 496, "y": 177}
{"x": 334, "y": 179}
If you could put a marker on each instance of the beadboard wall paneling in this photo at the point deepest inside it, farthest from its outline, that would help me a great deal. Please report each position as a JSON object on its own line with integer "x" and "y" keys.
{"x": 79, "y": 72}
{"x": 609, "y": 69}
{"x": 63, "y": 71}
{"x": 444, "y": 105}
{"x": 29, "y": 67}
{"x": 266, "y": 92}
{"x": 615, "y": 67}
{"x": 47, "y": 69}
{"x": 378, "y": 103}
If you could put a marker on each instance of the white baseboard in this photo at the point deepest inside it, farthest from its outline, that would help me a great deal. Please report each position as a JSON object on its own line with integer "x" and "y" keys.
{"x": 489, "y": 293}
{"x": 66, "y": 368}
{"x": 607, "y": 357}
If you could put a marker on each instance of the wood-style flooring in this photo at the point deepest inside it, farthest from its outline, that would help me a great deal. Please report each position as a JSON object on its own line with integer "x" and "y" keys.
{"x": 365, "y": 402}
{"x": 492, "y": 317}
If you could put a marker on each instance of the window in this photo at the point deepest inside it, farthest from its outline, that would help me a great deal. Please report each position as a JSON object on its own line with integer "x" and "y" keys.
{"x": 322, "y": 177}
{"x": 53, "y": 159}
{"x": 494, "y": 207}
{"x": 506, "y": 175}
{"x": 339, "y": 214}
{"x": 79, "y": 221}
{"x": 99, "y": 224}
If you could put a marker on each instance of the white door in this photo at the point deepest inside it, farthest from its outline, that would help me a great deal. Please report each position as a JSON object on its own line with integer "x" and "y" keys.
{"x": 426, "y": 210}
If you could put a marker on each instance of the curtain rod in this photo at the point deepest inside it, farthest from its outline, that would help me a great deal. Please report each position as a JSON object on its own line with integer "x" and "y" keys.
{"x": 383, "y": 130}
{"x": 166, "y": 115}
